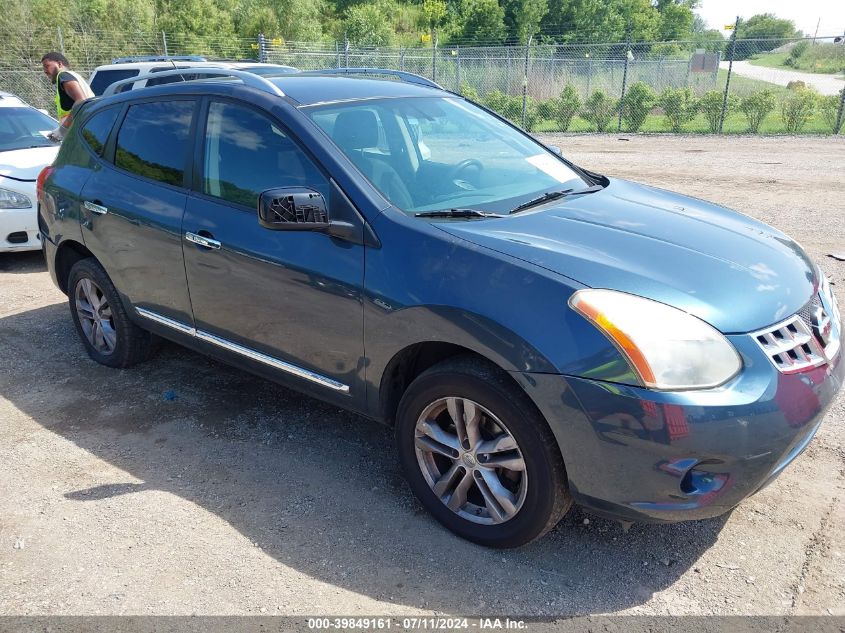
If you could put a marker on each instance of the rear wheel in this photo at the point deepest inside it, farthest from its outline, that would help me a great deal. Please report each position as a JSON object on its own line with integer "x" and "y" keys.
{"x": 479, "y": 456}
{"x": 108, "y": 335}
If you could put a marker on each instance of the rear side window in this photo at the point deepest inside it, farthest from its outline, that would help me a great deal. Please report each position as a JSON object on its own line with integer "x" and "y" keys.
{"x": 96, "y": 129}
{"x": 153, "y": 140}
{"x": 105, "y": 78}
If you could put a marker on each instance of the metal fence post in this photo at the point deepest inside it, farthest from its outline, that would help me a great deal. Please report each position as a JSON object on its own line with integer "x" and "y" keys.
{"x": 262, "y": 48}
{"x": 525, "y": 80}
{"x": 345, "y": 50}
{"x": 164, "y": 42}
{"x": 61, "y": 39}
{"x": 458, "y": 67}
{"x": 434, "y": 54}
{"x": 838, "y": 126}
{"x": 728, "y": 80}
{"x": 402, "y": 58}
{"x": 336, "y": 54}
{"x": 628, "y": 56}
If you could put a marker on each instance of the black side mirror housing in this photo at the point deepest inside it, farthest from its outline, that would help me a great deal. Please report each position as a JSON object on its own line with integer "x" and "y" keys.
{"x": 293, "y": 209}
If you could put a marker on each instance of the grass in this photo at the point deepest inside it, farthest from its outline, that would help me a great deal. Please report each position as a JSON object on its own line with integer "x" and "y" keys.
{"x": 821, "y": 58}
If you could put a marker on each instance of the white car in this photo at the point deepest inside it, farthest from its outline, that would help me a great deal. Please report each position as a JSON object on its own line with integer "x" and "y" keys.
{"x": 128, "y": 67}
{"x": 24, "y": 151}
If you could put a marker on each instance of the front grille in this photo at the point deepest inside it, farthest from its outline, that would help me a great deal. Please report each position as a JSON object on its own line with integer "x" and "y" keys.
{"x": 791, "y": 346}
{"x": 807, "y": 339}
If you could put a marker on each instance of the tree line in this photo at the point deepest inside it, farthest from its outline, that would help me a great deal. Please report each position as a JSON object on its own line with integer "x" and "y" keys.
{"x": 387, "y": 22}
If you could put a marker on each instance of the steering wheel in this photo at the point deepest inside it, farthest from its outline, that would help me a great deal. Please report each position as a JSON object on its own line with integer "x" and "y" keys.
{"x": 465, "y": 164}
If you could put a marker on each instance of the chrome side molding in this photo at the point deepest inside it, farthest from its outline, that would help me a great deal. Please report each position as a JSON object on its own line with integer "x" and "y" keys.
{"x": 252, "y": 354}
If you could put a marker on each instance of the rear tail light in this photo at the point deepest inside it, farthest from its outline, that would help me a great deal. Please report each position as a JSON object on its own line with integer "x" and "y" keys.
{"x": 42, "y": 178}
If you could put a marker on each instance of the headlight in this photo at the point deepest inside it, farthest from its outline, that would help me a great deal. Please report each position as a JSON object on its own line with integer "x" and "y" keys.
{"x": 668, "y": 348}
{"x": 13, "y": 200}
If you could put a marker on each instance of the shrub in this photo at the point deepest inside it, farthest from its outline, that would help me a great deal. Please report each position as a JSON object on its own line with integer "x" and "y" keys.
{"x": 797, "y": 109}
{"x": 510, "y": 107}
{"x": 795, "y": 54}
{"x": 547, "y": 110}
{"x": 599, "y": 109}
{"x": 829, "y": 107}
{"x": 796, "y": 84}
{"x": 679, "y": 106}
{"x": 567, "y": 107}
{"x": 469, "y": 92}
{"x": 637, "y": 103}
{"x": 710, "y": 105}
{"x": 756, "y": 107}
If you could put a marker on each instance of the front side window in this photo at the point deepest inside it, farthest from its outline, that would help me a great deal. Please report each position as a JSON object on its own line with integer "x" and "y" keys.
{"x": 247, "y": 153}
{"x": 153, "y": 140}
{"x": 96, "y": 129}
{"x": 434, "y": 153}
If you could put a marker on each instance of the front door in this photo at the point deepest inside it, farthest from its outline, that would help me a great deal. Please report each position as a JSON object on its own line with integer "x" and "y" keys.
{"x": 289, "y": 300}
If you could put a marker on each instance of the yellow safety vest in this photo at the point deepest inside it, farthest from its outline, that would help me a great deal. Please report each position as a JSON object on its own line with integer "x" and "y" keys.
{"x": 86, "y": 89}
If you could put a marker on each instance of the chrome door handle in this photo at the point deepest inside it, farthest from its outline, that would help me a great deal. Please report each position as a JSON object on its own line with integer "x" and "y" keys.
{"x": 93, "y": 207}
{"x": 202, "y": 241}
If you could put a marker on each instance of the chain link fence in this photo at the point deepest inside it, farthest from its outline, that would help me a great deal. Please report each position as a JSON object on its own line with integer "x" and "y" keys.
{"x": 758, "y": 86}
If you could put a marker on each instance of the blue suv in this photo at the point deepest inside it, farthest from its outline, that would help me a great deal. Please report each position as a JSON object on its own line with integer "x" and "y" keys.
{"x": 537, "y": 335}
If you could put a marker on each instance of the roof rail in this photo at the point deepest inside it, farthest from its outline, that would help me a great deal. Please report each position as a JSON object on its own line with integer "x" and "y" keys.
{"x": 210, "y": 72}
{"x": 399, "y": 74}
{"x": 158, "y": 58}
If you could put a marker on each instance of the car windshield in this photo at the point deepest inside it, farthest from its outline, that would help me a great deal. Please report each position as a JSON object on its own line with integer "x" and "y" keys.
{"x": 21, "y": 128}
{"x": 433, "y": 153}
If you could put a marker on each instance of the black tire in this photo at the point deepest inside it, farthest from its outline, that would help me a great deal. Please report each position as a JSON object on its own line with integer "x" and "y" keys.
{"x": 546, "y": 498}
{"x": 132, "y": 344}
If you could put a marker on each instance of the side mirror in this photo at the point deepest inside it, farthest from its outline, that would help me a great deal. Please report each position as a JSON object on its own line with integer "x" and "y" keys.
{"x": 293, "y": 209}
{"x": 555, "y": 150}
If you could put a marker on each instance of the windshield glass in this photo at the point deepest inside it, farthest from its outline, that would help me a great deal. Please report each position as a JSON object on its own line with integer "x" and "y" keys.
{"x": 432, "y": 153}
{"x": 24, "y": 127}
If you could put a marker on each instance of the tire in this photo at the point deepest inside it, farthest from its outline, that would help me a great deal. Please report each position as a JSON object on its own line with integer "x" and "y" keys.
{"x": 105, "y": 330}
{"x": 528, "y": 494}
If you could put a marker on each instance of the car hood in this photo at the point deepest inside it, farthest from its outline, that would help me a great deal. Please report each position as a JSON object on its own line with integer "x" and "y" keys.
{"x": 26, "y": 164}
{"x": 734, "y": 272}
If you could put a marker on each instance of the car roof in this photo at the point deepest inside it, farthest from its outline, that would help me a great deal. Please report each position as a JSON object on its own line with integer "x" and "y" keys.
{"x": 9, "y": 100}
{"x": 319, "y": 89}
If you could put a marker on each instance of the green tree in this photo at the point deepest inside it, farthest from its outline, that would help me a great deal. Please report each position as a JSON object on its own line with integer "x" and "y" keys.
{"x": 676, "y": 20}
{"x": 756, "y": 107}
{"x": 679, "y": 106}
{"x": 434, "y": 15}
{"x": 567, "y": 107}
{"x": 523, "y": 17}
{"x": 482, "y": 22}
{"x": 368, "y": 25}
{"x": 637, "y": 103}
{"x": 762, "y": 32}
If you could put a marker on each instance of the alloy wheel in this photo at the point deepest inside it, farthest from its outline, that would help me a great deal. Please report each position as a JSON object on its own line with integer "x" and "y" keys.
{"x": 95, "y": 316}
{"x": 470, "y": 460}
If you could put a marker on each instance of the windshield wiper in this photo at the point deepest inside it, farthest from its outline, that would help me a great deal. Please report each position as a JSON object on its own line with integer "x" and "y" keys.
{"x": 555, "y": 195}
{"x": 458, "y": 213}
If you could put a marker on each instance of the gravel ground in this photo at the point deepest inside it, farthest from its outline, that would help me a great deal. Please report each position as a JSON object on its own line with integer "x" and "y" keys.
{"x": 183, "y": 486}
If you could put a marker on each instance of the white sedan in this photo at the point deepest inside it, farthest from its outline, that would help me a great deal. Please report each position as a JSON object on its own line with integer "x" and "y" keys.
{"x": 24, "y": 152}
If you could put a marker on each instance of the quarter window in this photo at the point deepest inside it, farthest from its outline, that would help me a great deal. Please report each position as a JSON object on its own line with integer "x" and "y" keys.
{"x": 153, "y": 140}
{"x": 247, "y": 153}
{"x": 96, "y": 129}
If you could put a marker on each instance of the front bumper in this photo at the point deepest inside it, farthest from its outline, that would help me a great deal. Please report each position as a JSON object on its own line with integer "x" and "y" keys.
{"x": 641, "y": 455}
{"x": 19, "y": 230}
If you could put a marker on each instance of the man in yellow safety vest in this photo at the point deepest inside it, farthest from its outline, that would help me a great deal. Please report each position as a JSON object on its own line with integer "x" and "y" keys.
{"x": 71, "y": 89}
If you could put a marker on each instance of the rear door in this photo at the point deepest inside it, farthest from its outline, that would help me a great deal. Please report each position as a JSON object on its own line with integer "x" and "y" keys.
{"x": 290, "y": 300}
{"x": 132, "y": 208}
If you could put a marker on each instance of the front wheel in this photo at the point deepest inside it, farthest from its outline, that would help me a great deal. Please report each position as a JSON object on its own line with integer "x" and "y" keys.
{"x": 479, "y": 456}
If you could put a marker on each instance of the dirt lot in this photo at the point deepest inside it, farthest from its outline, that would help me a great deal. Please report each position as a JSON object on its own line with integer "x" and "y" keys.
{"x": 183, "y": 486}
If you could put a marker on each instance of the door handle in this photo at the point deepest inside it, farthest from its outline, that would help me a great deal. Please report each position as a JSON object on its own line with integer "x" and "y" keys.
{"x": 201, "y": 240}
{"x": 93, "y": 207}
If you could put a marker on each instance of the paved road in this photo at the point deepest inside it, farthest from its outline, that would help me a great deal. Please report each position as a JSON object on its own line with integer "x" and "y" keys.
{"x": 825, "y": 84}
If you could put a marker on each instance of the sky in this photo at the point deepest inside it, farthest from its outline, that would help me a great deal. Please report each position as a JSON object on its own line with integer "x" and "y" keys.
{"x": 805, "y": 13}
